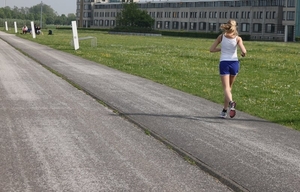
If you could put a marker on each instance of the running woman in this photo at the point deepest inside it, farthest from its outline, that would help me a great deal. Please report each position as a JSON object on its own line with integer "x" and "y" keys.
{"x": 229, "y": 63}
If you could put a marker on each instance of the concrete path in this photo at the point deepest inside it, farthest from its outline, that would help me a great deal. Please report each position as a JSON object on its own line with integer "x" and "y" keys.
{"x": 54, "y": 137}
{"x": 246, "y": 153}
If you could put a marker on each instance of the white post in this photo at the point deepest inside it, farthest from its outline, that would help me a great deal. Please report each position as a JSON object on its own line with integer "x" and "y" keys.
{"x": 75, "y": 35}
{"x": 286, "y": 33}
{"x": 33, "y": 30}
{"x": 16, "y": 28}
{"x": 6, "y": 27}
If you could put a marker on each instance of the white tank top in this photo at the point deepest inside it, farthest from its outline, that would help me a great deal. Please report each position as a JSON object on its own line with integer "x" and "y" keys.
{"x": 228, "y": 49}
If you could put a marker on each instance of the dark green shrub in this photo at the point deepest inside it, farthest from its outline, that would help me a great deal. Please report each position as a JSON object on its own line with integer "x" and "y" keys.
{"x": 134, "y": 29}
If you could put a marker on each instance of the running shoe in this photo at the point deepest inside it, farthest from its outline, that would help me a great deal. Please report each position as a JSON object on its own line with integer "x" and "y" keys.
{"x": 223, "y": 114}
{"x": 232, "y": 106}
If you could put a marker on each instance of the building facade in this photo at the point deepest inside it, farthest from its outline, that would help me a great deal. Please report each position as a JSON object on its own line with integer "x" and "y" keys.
{"x": 277, "y": 20}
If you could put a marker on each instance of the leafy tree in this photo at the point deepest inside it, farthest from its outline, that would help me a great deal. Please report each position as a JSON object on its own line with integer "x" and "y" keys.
{"x": 58, "y": 21}
{"x": 71, "y": 17}
{"x": 2, "y": 13}
{"x": 7, "y": 12}
{"x": 25, "y": 14}
{"x": 30, "y": 16}
{"x": 64, "y": 19}
{"x": 49, "y": 19}
{"x": 131, "y": 16}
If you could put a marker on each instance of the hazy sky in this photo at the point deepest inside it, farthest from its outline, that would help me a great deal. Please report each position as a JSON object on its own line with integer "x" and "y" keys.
{"x": 60, "y": 6}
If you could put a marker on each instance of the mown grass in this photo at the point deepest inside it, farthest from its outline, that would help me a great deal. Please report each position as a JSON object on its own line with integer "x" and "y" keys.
{"x": 268, "y": 85}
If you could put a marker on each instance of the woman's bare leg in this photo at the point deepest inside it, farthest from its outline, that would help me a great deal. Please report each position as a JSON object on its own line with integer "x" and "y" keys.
{"x": 227, "y": 83}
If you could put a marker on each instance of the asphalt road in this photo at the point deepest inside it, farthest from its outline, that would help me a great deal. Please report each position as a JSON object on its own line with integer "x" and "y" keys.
{"x": 54, "y": 137}
{"x": 246, "y": 153}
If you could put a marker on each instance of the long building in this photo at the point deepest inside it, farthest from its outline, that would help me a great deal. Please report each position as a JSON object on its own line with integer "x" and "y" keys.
{"x": 277, "y": 20}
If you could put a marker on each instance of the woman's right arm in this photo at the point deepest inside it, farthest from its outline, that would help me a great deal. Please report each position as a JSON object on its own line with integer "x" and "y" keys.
{"x": 214, "y": 47}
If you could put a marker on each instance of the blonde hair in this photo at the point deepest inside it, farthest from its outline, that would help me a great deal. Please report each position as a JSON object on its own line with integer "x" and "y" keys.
{"x": 229, "y": 27}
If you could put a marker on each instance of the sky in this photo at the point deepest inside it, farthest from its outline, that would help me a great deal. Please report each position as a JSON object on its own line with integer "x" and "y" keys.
{"x": 60, "y": 6}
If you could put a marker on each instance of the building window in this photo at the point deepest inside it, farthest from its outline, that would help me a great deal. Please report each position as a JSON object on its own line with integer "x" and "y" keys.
{"x": 290, "y": 15}
{"x": 245, "y": 27}
{"x": 274, "y": 15}
{"x": 158, "y": 24}
{"x": 212, "y": 27}
{"x": 167, "y": 14}
{"x": 167, "y": 24}
{"x": 202, "y": 26}
{"x": 152, "y": 14}
{"x": 234, "y": 15}
{"x": 270, "y": 28}
{"x": 184, "y": 15}
{"x": 96, "y": 22}
{"x": 106, "y": 22}
{"x": 260, "y": 15}
{"x": 257, "y": 27}
{"x": 112, "y": 23}
{"x": 175, "y": 24}
{"x": 193, "y": 14}
{"x": 175, "y": 14}
{"x": 184, "y": 25}
{"x": 202, "y": 14}
{"x": 223, "y": 15}
{"x": 291, "y": 3}
{"x": 159, "y": 14}
{"x": 193, "y": 26}
{"x": 267, "y": 15}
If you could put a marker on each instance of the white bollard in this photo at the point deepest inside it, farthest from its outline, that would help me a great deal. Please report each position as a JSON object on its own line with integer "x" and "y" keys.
{"x": 75, "y": 35}
{"x": 6, "y": 27}
{"x": 33, "y": 30}
{"x": 16, "y": 28}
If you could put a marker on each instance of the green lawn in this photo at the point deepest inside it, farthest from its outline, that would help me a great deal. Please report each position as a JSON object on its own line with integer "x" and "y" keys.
{"x": 268, "y": 85}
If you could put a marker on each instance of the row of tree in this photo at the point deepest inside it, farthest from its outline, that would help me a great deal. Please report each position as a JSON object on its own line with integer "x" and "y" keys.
{"x": 49, "y": 16}
{"x": 131, "y": 16}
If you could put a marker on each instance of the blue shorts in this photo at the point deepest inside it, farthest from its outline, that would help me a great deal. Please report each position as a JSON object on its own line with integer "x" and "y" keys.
{"x": 229, "y": 67}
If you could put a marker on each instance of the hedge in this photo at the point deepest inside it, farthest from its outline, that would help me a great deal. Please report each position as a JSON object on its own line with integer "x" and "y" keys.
{"x": 197, "y": 34}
